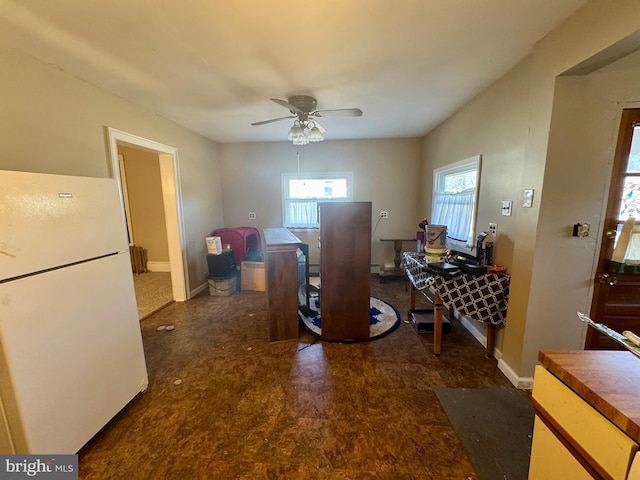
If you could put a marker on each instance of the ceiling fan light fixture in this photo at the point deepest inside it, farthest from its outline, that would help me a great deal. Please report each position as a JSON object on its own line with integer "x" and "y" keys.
{"x": 295, "y": 132}
{"x": 315, "y": 135}
{"x": 301, "y": 140}
{"x": 303, "y": 109}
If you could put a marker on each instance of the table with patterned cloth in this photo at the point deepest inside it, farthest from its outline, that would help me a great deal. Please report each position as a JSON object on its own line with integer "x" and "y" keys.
{"x": 480, "y": 297}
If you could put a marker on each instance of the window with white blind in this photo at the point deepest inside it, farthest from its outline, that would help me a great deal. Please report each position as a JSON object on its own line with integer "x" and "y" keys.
{"x": 455, "y": 194}
{"x": 301, "y": 193}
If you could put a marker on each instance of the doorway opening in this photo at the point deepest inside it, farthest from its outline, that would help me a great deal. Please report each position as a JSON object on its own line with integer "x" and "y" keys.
{"x": 169, "y": 191}
{"x": 615, "y": 301}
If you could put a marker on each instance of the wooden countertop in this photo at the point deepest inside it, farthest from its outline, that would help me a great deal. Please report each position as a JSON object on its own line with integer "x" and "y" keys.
{"x": 608, "y": 380}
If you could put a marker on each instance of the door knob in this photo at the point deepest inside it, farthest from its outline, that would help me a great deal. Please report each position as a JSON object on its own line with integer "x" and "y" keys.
{"x": 606, "y": 278}
{"x": 610, "y": 234}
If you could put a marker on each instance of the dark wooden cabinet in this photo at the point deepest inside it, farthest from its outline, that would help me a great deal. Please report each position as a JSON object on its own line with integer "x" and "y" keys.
{"x": 345, "y": 269}
{"x": 282, "y": 283}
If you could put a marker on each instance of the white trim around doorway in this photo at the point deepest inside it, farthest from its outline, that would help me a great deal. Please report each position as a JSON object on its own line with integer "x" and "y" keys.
{"x": 172, "y": 199}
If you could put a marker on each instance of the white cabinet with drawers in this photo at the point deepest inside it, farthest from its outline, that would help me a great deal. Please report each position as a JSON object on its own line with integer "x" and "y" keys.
{"x": 587, "y": 422}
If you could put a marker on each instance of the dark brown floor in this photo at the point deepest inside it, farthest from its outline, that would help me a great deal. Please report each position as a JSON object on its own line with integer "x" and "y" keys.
{"x": 245, "y": 408}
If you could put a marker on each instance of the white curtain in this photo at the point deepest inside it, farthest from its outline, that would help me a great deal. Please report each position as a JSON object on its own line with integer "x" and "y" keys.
{"x": 455, "y": 210}
{"x": 627, "y": 248}
{"x": 633, "y": 250}
{"x": 303, "y": 213}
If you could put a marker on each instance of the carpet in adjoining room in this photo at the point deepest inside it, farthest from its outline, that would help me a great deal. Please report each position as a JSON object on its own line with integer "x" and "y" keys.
{"x": 153, "y": 292}
{"x": 495, "y": 426}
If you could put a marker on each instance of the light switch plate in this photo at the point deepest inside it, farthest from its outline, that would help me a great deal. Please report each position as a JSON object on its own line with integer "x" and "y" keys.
{"x": 506, "y": 208}
{"x": 527, "y": 198}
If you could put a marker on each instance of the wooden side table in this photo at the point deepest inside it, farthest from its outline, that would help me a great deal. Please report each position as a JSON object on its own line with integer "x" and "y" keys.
{"x": 479, "y": 297}
{"x": 397, "y": 260}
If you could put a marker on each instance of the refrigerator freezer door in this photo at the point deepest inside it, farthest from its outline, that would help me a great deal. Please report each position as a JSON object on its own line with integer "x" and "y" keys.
{"x": 72, "y": 353}
{"x": 52, "y": 220}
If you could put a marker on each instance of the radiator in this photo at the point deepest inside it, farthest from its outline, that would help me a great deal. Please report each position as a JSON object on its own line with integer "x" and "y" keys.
{"x": 138, "y": 259}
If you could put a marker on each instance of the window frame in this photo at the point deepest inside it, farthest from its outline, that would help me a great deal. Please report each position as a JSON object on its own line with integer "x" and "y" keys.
{"x": 439, "y": 175}
{"x": 286, "y": 177}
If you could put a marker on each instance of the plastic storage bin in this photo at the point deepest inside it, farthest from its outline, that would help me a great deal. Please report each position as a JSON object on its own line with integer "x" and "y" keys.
{"x": 222, "y": 265}
{"x": 223, "y": 286}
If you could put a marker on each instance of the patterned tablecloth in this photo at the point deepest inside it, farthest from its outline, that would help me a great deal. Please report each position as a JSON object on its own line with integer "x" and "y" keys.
{"x": 480, "y": 297}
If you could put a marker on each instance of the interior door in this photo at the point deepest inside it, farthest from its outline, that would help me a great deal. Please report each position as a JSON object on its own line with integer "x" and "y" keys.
{"x": 616, "y": 297}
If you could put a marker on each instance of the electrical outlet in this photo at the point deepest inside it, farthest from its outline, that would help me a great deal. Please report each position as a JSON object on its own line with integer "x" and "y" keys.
{"x": 493, "y": 230}
{"x": 384, "y": 214}
{"x": 252, "y": 215}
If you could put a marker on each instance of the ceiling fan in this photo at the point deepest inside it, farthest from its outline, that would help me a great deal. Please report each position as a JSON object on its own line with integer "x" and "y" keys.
{"x": 303, "y": 110}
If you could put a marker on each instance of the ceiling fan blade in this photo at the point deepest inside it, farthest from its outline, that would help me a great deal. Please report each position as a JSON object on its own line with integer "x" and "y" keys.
{"x": 287, "y": 105}
{"x": 341, "y": 112}
{"x": 273, "y": 120}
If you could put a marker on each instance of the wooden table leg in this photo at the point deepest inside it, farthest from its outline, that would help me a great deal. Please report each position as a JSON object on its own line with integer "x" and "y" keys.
{"x": 437, "y": 324}
{"x": 397, "y": 246}
{"x": 412, "y": 305}
{"x": 491, "y": 339}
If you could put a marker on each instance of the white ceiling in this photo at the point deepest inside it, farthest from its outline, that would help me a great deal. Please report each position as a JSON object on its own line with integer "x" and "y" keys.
{"x": 212, "y": 65}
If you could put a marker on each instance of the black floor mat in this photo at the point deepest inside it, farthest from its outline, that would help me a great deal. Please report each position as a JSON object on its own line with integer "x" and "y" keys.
{"x": 495, "y": 427}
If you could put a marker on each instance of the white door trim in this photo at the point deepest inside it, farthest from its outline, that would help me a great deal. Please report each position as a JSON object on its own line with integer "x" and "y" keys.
{"x": 172, "y": 199}
{"x": 125, "y": 198}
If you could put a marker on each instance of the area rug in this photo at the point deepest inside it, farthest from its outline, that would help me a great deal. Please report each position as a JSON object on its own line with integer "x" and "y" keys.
{"x": 495, "y": 426}
{"x": 384, "y": 319}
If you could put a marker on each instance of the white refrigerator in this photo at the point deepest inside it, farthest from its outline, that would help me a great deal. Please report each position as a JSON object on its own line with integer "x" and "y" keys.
{"x": 71, "y": 354}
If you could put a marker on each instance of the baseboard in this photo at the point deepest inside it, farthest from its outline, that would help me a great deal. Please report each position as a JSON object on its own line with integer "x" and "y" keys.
{"x": 158, "y": 266}
{"x": 198, "y": 289}
{"x": 314, "y": 268}
{"x": 470, "y": 325}
{"x": 523, "y": 383}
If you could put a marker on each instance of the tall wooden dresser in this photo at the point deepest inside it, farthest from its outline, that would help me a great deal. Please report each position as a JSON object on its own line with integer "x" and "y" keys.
{"x": 345, "y": 269}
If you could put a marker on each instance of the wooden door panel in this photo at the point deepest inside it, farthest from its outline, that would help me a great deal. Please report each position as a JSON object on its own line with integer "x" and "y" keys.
{"x": 623, "y": 298}
{"x": 616, "y": 296}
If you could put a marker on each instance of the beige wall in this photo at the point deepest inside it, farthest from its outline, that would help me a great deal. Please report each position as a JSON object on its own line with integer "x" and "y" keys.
{"x": 51, "y": 122}
{"x": 384, "y": 173}
{"x": 509, "y": 124}
{"x": 146, "y": 206}
{"x": 584, "y": 129}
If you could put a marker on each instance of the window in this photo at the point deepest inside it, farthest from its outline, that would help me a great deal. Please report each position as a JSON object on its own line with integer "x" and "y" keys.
{"x": 302, "y": 192}
{"x": 455, "y": 192}
{"x": 626, "y": 250}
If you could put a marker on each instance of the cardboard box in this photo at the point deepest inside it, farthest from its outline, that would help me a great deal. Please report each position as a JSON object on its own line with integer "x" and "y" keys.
{"x": 214, "y": 245}
{"x": 252, "y": 276}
